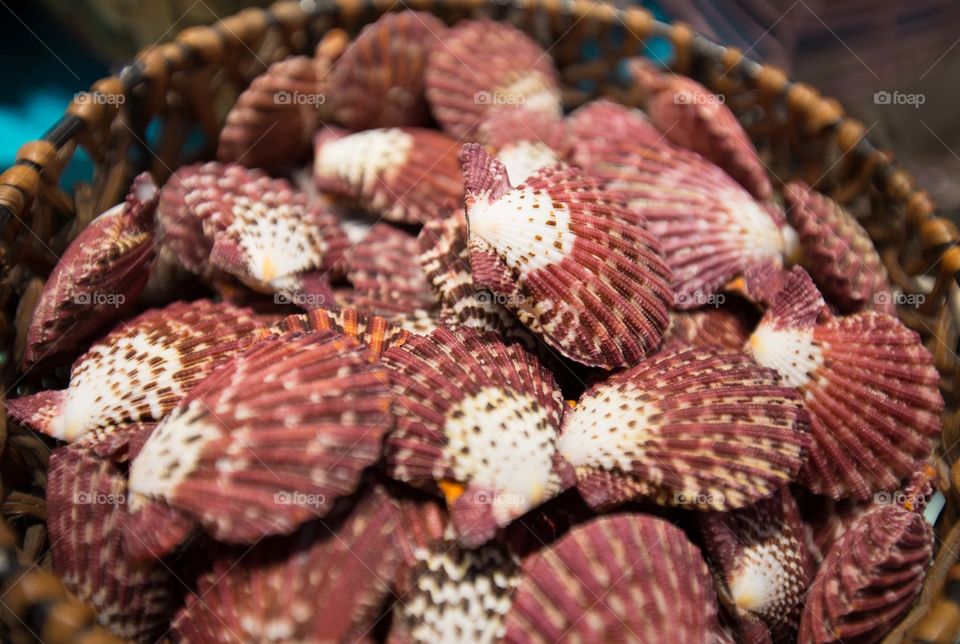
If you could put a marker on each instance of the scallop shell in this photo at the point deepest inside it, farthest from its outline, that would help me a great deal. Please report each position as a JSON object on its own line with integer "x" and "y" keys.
{"x": 272, "y": 122}
{"x": 764, "y": 562}
{"x": 85, "y": 502}
{"x": 693, "y": 117}
{"x": 378, "y": 82}
{"x": 375, "y": 332}
{"x": 524, "y": 141}
{"x": 117, "y": 444}
{"x": 698, "y": 427}
{"x": 267, "y": 442}
{"x": 407, "y": 175}
{"x": 838, "y": 252}
{"x": 97, "y": 279}
{"x": 868, "y": 382}
{"x": 727, "y": 326}
{"x": 140, "y": 370}
{"x": 326, "y": 582}
{"x": 711, "y": 229}
{"x": 483, "y": 66}
{"x": 869, "y": 578}
{"x": 616, "y": 579}
{"x": 565, "y": 257}
{"x": 476, "y": 419}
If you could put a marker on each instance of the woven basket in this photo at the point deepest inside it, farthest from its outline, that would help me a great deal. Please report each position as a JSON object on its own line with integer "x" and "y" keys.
{"x": 188, "y": 84}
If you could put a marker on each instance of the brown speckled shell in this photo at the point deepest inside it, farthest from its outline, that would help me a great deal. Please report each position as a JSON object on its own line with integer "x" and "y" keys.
{"x": 524, "y": 141}
{"x": 728, "y": 326}
{"x": 375, "y": 332}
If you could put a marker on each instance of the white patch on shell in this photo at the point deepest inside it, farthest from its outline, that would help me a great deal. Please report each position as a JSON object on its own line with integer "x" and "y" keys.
{"x": 523, "y": 158}
{"x": 768, "y": 577}
{"x": 100, "y": 386}
{"x": 524, "y": 228}
{"x": 755, "y": 224}
{"x": 537, "y": 92}
{"x": 503, "y": 442}
{"x": 793, "y": 353}
{"x": 601, "y": 434}
{"x": 171, "y": 453}
{"x": 361, "y": 158}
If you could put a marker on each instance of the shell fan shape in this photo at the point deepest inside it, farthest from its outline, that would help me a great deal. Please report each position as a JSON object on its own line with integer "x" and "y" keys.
{"x": 374, "y": 332}
{"x": 695, "y": 428}
{"x": 566, "y": 257}
{"x": 868, "y": 382}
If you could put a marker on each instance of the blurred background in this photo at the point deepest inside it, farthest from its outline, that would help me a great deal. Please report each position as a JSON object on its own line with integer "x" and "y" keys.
{"x": 894, "y": 64}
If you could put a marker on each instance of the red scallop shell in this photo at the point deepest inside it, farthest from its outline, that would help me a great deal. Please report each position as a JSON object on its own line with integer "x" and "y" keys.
{"x": 86, "y": 498}
{"x": 476, "y": 419}
{"x": 98, "y": 278}
{"x": 567, "y": 258}
{"x": 621, "y": 578}
{"x": 378, "y": 82}
{"x": 375, "y": 332}
{"x": 524, "y": 141}
{"x": 140, "y": 370}
{"x": 838, "y": 252}
{"x": 409, "y": 175}
{"x": 117, "y": 444}
{"x": 483, "y": 66}
{"x": 699, "y": 427}
{"x": 870, "y": 577}
{"x": 265, "y": 443}
{"x": 693, "y": 117}
{"x": 765, "y": 562}
{"x": 869, "y": 384}
{"x": 711, "y": 230}
{"x": 325, "y": 582}
{"x": 727, "y": 326}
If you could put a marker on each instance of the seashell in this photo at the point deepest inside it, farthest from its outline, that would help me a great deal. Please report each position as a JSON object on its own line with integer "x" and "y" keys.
{"x": 140, "y": 370}
{"x": 868, "y": 382}
{"x": 378, "y": 82}
{"x": 616, "y": 579}
{"x": 693, "y": 117}
{"x": 325, "y": 582}
{"x": 85, "y": 502}
{"x": 711, "y": 230}
{"x": 374, "y": 332}
{"x": 272, "y": 122}
{"x": 838, "y": 252}
{"x": 564, "y": 256}
{"x": 408, "y": 175}
{"x": 385, "y": 274}
{"x": 449, "y": 593}
{"x": 492, "y": 471}
{"x": 483, "y": 66}
{"x": 268, "y": 441}
{"x": 697, "y": 427}
{"x": 117, "y": 444}
{"x": 728, "y": 327}
{"x": 97, "y": 279}
{"x": 869, "y": 578}
{"x": 764, "y": 561}
{"x": 524, "y": 141}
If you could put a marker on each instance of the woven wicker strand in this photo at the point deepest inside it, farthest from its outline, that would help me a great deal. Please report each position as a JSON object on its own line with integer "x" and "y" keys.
{"x": 192, "y": 80}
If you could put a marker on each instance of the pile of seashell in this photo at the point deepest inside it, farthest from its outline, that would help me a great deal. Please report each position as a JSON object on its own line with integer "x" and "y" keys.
{"x": 583, "y": 377}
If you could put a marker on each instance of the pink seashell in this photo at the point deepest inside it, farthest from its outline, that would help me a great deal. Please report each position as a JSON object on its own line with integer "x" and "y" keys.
{"x": 86, "y": 498}
{"x": 140, "y": 370}
{"x": 764, "y": 561}
{"x": 616, "y": 579}
{"x": 524, "y": 141}
{"x": 409, "y": 175}
{"x": 483, "y": 66}
{"x": 325, "y": 582}
{"x": 117, "y": 444}
{"x": 378, "y": 82}
{"x": 711, "y": 230}
{"x": 838, "y": 252}
{"x": 699, "y": 427}
{"x": 693, "y": 117}
{"x": 265, "y": 443}
{"x": 726, "y": 326}
{"x": 565, "y": 257}
{"x": 374, "y": 332}
{"x": 868, "y": 382}
{"x": 491, "y": 471}
{"x": 869, "y": 578}
{"x": 97, "y": 279}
